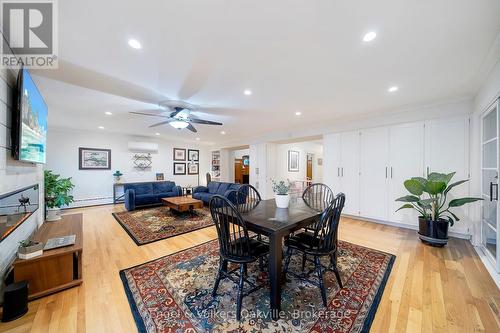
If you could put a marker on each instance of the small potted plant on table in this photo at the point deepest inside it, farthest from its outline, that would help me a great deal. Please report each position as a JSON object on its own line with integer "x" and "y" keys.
{"x": 429, "y": 198}
{"x": 29, "y": 249}
{"x": 56, "y": 194}
{"x": 281, "y": 190}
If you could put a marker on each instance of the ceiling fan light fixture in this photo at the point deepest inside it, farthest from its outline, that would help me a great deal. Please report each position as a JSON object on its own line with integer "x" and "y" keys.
{"x": 179, "y": 124}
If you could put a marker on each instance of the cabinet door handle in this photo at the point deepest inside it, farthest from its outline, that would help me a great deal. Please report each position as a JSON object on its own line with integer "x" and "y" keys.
{"x": 338, "y": 172}
{"x": 342, "y": 171}
{"x": 391, "y": 172}
{"x": 491, "y": 191}
{"x": 427, "y": 171}
{"x": 385, "y": 172}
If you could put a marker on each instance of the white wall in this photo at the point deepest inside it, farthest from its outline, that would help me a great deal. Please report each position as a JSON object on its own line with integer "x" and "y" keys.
{"x": 14, "y": 175}
{"x": 303, "y": 148}
{"x": 96, "y": 186}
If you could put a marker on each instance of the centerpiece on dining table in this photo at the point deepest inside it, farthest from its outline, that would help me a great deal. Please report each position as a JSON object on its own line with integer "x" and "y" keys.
{"x": 281, "y": 190}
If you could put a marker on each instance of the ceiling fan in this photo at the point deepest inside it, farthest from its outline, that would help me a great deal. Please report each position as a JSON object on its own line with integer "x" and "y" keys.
{"x": 180, "y": 116}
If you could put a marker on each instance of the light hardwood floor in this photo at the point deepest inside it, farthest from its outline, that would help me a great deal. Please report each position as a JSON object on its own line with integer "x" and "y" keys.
{"x": 429, "y": 289}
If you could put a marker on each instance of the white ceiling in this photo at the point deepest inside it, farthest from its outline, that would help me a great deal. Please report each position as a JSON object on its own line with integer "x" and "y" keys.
{"x": 294, "y": 55}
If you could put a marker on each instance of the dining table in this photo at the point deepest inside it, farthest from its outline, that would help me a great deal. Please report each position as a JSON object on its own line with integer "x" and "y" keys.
{"x": 266, "y": 219}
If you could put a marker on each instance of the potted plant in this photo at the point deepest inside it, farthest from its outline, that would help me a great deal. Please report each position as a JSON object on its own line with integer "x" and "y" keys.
{"x": 428, "y": 196}
{"x": 281, "y": 189}
{"x": 29, "y": 249}
{"x": 56, "y": 194}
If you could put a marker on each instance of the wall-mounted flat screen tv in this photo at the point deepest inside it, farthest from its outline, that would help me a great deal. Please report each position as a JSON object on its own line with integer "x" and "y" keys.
{"x": 29, "y": 135}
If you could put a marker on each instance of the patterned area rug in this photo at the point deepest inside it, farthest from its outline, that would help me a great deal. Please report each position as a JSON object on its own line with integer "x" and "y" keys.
{"x": 154, "y": 224}
{"x": 173, "y": 294}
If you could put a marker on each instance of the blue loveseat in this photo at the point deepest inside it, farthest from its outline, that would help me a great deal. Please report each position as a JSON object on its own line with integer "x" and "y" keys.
{"x": 205, "y": 193}
{"x": 148, "y": 194}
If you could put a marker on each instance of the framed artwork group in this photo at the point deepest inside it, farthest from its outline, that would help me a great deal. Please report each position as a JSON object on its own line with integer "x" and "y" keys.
{"x": 186, "y": 161}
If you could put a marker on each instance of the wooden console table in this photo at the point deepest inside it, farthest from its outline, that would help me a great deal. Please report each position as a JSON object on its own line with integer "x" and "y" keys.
{"x": 55, "y": 269}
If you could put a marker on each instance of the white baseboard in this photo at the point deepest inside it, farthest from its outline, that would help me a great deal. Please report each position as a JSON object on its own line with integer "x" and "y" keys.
{"x": 407, "y": 226}
{"x": 489, "y": 266}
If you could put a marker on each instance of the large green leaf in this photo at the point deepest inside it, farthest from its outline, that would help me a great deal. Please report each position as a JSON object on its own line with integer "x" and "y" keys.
{"x": 454, "y": 216}
{"x": 462, "y": 201}
{"x": 405, "y": 206}
{"x": 408, "y": 198}
{"x": 421, "y": 180}
{"x": 455, "y": 184}
{"x": 414, "y": 187}
{"x": 440, "y": 177}
{"x": 435, "y": 187}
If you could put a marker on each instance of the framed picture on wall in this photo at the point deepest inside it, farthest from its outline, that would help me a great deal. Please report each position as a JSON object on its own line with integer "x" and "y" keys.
{"x": 179, "y": 154}
{"x": 94, "y": 159}
{"x": 193, "y": 168}
{"x": 293, "y": 161}
{"x": 193, "y": 155}
{"x": 179, "y": 168}
{"x": 160, "y": 176}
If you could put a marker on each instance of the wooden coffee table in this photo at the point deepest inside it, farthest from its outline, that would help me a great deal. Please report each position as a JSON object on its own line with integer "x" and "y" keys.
{"x": 182, "y": 204}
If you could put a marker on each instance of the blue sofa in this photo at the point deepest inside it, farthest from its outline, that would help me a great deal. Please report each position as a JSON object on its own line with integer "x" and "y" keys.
{"x": 148, "y": 194}
{"x": 205, "y": 193}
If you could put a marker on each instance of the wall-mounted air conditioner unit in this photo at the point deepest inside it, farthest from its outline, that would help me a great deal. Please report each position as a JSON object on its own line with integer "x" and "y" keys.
{"x": 143, "y": 147}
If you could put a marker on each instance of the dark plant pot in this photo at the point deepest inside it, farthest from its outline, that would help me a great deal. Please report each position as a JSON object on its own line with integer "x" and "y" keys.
{"x": 434, "y": 233}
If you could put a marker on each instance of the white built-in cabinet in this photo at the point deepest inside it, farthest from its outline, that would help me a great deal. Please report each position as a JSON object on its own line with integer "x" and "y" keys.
{"x": 345, "y": 148}
{"x": 370, "y": 165}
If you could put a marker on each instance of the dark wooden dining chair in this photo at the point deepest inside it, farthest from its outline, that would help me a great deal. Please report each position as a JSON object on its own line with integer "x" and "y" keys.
{"x": 322, "y": 242}
{"x": 247, "y": 198}
{"x": 235, "y": 246}
{"x": 318, "y": 196}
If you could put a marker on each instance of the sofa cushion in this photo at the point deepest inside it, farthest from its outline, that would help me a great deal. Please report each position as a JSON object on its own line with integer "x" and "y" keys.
{"x": 213, "y": 187}
{"x": 205, "y": 197}
{"x": 146, "y": 188}
{"x": 166, "y": 195}
{"x": 162, "y": 187}
{"x": 223, "y": 188}
{"x": 146, "y": 199}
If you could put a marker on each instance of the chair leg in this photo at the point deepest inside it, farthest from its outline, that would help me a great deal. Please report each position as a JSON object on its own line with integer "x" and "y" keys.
{"x": 320, "y": 277}
{"x": 333, "y": 262}
{"x": 288, "y": 257}
{"x": 245, "y": 269}
{"x": 222, "y": 267}
{"x": 304, "y": 258}
{"x": 240, "y": 293}
{"x": 261, "y": 264}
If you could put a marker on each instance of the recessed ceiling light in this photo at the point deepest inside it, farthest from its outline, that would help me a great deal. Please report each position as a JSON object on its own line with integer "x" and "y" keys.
{"x": 134, "y": 43}
{"x": 369, "y": 36}
{"x": 247, "y": 92}
{"x": 107, "y": 113}
{"x": 222, "y": 132}
{"x": 393, "y": 89}
{"x": 298, "y": 113}
{"x": 197, "y": 139}
{"x": 101, "y": 127}
{"x": 157, "y": 133}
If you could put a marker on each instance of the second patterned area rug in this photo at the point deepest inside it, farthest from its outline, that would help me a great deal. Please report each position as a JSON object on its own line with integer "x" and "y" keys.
{"x": 173, "y": 294}
{"x": 153, "y": 224}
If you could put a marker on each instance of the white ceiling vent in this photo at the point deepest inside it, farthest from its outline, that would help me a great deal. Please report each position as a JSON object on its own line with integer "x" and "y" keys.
{"x": 143, "y": 147}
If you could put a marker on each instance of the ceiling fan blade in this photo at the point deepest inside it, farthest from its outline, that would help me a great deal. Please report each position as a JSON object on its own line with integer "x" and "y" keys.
{"x": 149, "y": 114}
{"x": 176, "y": 112}
{"x": 191, "y": 128}
{"x": 162, "y": 123}
{"x": 205, "y": 122}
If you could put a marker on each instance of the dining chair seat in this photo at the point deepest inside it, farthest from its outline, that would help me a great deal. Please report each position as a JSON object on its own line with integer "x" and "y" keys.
{"x": 257, "y": 249}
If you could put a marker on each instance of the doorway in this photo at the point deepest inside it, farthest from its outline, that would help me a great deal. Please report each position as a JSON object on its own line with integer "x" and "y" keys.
{"x": 309, "y": 168}
{"x": 242, "y": 170}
